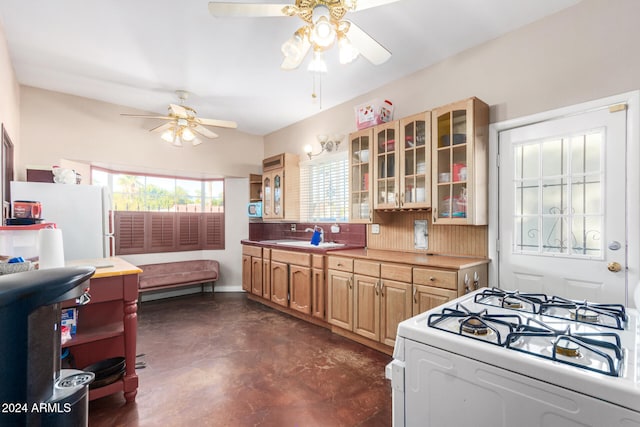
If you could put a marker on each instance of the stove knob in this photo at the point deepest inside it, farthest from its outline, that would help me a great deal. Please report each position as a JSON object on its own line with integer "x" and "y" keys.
{"x": 614, "y": 266}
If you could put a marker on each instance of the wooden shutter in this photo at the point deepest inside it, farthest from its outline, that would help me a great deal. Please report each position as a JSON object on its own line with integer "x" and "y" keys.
{"x": 213, "y": 231}
{"x": 162, "y": 232}
{"x": 189, "y": 231}
{"x": 129, "y": 232}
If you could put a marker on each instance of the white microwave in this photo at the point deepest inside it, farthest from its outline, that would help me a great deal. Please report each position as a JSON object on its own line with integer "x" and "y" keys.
{"x": 254, "y": 210}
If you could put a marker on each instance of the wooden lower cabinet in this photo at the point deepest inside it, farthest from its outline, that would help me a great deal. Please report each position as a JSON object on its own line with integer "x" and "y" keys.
{"x": 340, "y": 299}
{"x": 428, "y": 297}
{"x": 395, "y": 306}
{"x": 280, "y": 283}
{"x": 252, "y": 271}
{"x": 300, "y": 288}
{"x": 266, "y": 273}
{"x": 372, "y": 305}
{"x": 318, "y": 288}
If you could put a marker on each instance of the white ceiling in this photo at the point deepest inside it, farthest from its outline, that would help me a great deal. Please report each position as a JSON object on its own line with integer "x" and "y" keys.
{"x": 136, "y": 53}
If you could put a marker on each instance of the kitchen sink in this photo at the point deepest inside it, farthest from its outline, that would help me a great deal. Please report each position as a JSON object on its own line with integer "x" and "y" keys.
{"x": 306, "y": 244}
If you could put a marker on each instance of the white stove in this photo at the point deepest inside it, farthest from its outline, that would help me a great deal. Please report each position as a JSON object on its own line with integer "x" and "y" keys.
{"x": 501, "y": 358}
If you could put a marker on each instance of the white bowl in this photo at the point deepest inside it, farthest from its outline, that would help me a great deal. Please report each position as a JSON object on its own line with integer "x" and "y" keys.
{"x": 362, "y": 155}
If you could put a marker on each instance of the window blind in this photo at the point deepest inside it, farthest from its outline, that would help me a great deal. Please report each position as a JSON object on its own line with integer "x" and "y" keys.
{"x": 324, "y": 185}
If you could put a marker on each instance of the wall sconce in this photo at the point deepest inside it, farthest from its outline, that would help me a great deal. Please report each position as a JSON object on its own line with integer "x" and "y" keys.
{"x": 327, "y": 143}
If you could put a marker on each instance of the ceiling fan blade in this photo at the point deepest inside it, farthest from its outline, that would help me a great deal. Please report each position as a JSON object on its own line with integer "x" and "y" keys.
{"x": 246, "y": 10}
{"x": 367, "y": 45}
{"x": 196, "y": 141}
{"x": 147, "y": 117}
{"x": 178, "y": 111}
{"x": 367, "y": 4}
{"x": 163, "y": 127}
{"x": 217, "y": 123}
{"x": 204, "y": 131}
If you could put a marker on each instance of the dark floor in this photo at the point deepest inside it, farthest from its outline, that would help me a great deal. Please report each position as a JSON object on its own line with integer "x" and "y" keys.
{"x": 222, "y": 360}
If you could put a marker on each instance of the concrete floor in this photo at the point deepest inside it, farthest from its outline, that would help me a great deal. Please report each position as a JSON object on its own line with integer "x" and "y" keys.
{"x": 222, "y": 360}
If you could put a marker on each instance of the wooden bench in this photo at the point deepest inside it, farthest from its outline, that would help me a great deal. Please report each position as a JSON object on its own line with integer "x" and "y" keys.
{"x": 177, "y": 273}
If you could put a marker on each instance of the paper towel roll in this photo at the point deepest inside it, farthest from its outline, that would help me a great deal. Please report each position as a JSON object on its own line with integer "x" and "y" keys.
{"x": 50, "y": 248}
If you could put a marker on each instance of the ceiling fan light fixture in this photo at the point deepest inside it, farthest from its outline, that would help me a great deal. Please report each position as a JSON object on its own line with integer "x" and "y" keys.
{"x": 317, "y": 64}
{"x": 168, "y": 135}
{"x": 347, "y": 52}
{"x": 187, "y": 135}
{"x": 323, "y": 33}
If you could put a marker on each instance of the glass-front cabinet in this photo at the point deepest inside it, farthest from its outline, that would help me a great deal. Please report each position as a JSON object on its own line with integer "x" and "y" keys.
{"x": 403, "y": 163}
{"x": 415, "y": 161}
{"x": 387, "y": 186}
{"x": 280, "y": 187}
{"x": 360, "y": 156}
{"x": 460, "y": 157}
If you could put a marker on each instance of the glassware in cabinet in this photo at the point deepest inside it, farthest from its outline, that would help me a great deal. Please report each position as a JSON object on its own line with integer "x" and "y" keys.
{"x": 386, "y": 187}
{"x": 415, "y": 190}
{"x": 460, "y": 163}
{"x": 361, "y": 182}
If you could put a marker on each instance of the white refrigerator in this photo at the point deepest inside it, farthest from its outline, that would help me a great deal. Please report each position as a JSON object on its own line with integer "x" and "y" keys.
{"x": 82, "y": 212}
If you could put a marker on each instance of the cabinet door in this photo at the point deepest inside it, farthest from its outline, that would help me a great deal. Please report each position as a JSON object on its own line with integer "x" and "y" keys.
{"x": 415, "y": 161}
{"x": 395, "y": 306}
{"x": 278, "y": 194}
{"x": 427, "y": 297}
{"x": 386, "y": 188}
{"x": 256, "y": 276}
{"x": 300, "y": 288}
{"x": 280, "y": 283}
{"x": 267, "y": 196}
{"x": 318, "y": 292}
{"x": 459, "y": 157}
{"x": 366, "y": 306}
{"x": 340, "y": 304}
{"x": 246, "y": 273}
{"x": 266, "y": 278}
{"x": 361, "y": 181}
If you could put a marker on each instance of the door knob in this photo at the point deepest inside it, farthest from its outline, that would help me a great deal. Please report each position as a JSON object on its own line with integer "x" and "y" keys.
{"x": 614, "y": 266}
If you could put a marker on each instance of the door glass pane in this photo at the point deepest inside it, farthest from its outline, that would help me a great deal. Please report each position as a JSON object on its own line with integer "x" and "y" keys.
{"x": 559, "y": 195}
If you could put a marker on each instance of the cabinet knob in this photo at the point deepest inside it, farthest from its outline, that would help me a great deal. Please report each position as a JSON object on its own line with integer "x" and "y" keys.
{"x": 433, "y": 279}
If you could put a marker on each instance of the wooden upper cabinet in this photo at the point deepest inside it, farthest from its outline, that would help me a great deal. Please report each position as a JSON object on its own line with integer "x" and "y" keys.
{"x": 460, "y": 163}
{"x": 386, "y": 164}
{"x": 281, "y": 187}
{"x": 415, "y": 161}
{"x": 360, "y": 178}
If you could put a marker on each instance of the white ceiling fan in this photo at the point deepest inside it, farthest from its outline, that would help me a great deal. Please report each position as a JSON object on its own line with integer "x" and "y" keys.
{"x": 183, "y": 125}
{"x": 324, "y": 26}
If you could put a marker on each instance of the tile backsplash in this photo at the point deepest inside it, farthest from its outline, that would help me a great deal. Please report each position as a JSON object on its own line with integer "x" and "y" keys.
{"x": 353, "y": 234}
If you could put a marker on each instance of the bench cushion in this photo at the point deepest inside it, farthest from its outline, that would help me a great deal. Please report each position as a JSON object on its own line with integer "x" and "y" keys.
{"x": 177, "y": 273}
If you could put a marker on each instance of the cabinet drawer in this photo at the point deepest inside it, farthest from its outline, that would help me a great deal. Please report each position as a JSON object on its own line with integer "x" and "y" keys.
{"x": 368, "y": 268}
{"x": 297, "y": 258}
{"x": 401, "y": 273}
{"x": 318, "y": 261}
{"x": 436, "y": 278}
{"x": 340, "y": 263}
{"x": 252, "y": 250}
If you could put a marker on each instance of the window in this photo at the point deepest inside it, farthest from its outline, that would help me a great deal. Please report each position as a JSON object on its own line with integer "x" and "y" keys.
{"x": 558, "y": 195}
{"x": 164, "y": 214}
{"x": 324, "y": 189}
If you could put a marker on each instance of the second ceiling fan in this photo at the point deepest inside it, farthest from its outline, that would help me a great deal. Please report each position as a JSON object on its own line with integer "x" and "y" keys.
{"x": 324, "y": 26}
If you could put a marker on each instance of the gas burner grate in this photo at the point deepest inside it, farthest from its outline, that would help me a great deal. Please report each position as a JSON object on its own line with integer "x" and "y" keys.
{"x": 607, "y": 315}
{"x": 482, "y": 326}
{"x": 512, "y": 300}
{"x": 599, "y": 352}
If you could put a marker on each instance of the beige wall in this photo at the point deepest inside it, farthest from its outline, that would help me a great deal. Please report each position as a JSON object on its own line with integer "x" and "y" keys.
{"x": 586, "y": 52}
{"x": 59, "y": 126}
{"x": 9, "y": 94}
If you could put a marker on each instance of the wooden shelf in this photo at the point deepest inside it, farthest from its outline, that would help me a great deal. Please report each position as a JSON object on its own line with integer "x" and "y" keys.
{"x": 96, "y": 334}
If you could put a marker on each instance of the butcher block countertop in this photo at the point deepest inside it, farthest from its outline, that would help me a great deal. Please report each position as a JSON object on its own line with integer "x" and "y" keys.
{"x": 436, "y": 261}
{"x": 106, "y": 267}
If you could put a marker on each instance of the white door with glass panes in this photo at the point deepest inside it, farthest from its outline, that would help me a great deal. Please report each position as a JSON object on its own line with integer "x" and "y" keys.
{"x": 562, "y": 206}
